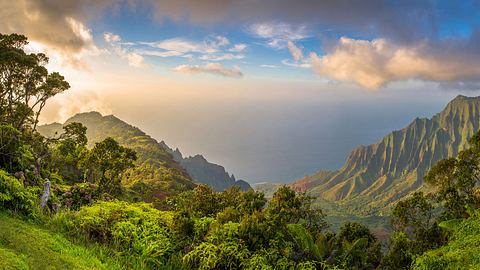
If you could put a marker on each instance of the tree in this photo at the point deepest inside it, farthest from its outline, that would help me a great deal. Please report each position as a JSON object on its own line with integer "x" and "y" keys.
{"x": 10, "y": 142}
{"x": 288, "y": 207}
{"x": 68, "y": 149}
{"x": 416, "y": 230}
{"x": 25, "y": 83}
{"x": 207, "y": 202}
{"x": 359, "y": 247}
{"x": 414, "y": 216}
{"x": 455, "y": 179}
{"x": 399, "y": 255}
{"x": 106, "y": 162}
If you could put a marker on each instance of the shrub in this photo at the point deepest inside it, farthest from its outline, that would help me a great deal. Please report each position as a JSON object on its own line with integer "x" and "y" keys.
{"x": 201, "y": 227}
{"x": 227, "y": 255}
{"x": 77, "y": 195}
{"x": 136, "y": 230}
{"x": 14, "y": 196}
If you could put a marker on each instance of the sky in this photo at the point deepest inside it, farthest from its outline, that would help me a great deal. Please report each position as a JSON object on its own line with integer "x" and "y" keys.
{"x": 272, "y": 89}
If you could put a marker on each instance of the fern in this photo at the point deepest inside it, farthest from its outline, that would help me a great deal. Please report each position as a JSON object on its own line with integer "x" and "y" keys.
{"x": 304, "y": 239}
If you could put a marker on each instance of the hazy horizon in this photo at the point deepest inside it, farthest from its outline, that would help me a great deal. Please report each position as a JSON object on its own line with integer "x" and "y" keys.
{"x": 265, "y": 140}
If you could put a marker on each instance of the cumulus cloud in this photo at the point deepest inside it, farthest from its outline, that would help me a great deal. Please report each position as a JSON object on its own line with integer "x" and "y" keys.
{"x": 212, "y": 68}
{"x": 373, "y": 64}
{"x": 58, "y": 25}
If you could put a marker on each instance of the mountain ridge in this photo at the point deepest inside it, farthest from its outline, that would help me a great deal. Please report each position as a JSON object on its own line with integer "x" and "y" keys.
{"x": 377, "y": 175}
{"x": 149, "y": 149}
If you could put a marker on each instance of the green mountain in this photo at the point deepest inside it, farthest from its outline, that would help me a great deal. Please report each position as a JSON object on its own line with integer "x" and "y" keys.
{"x": 159, "y": 165}
{"x": 205, "y": 172}
{"x": 375, "y": 176}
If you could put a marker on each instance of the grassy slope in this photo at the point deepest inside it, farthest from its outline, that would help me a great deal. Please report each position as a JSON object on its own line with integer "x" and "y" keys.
{"x": 27, "y": 246}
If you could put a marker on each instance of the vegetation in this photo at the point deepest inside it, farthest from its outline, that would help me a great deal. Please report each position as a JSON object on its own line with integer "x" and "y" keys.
{"x": 155, "y": 176}
{"x": 95, "y": 217}
{"x": 24, "y": 245}
{"x": 461, "y": 252}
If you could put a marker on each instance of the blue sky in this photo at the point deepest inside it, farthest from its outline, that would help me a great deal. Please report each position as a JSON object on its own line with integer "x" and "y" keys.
{"x": 271, "y": 89}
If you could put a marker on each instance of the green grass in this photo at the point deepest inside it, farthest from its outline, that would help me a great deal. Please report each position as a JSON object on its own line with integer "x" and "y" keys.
{"x": 28, "y": 246}
{"x": 10, "y": 260}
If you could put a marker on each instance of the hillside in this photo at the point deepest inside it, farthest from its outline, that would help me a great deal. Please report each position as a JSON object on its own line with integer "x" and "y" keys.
{"x": 156, "y": 157}
{"x": 25, "y": 245}
{"x": 375, "y": 176}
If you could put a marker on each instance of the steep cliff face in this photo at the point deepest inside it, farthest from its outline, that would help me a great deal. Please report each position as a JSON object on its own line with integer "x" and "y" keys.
{"x": 380, "y": 173}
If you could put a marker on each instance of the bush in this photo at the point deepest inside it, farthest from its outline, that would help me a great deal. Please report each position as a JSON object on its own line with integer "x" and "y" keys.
{"x": 75, "y": 196}
{"x": 461, "y": 252}
{"x": 15, "y": 196}
{"x": 227, "y": 255}
{"x": 138, "y": 231}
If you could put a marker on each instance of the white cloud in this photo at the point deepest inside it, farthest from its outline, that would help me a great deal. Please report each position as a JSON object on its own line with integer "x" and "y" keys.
{"x": 222, "y": 57}
{"x": 217, "y": 41}
{"x": 304, "y": 64}
{"x": 212, "y": 48}
{"x": 135, "y": 60}
{"x": 238, "y": 47}
{"x": 177, "y": 45}
{"x": 373, "y": 64}
{"x": 110, "y": 37}
{"x": 212, "y": 68}
{"x": 211, "y": 44}
{"x": 159, "y": 53}
{"x": 269, "y": 66}
{"x": 278, "y": 34}
{"x": 279, "y": 30}
{"x": 295, "y": 51}
{"x": 277, "y": 43}
{"x": 115, "y": 46}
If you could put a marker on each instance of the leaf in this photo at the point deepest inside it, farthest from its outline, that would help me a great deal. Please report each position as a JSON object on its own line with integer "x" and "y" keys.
{"x": 450, "y": 225}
